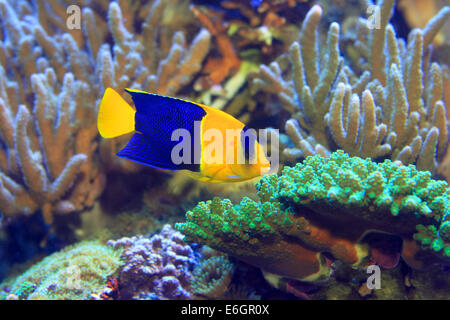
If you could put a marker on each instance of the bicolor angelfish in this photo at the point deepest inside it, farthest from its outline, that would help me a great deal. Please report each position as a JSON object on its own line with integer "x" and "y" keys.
{"x": 176, "y": 134}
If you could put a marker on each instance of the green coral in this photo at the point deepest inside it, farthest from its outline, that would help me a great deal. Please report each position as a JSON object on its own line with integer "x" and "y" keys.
{"x": 221, "y": 225}
{"x": 73, "y": 273}
{"x": 392, "y": 197}
{"x": 345, "y": 182}
{"x": 371, "y": 189}
{"x": 435, "y": 239}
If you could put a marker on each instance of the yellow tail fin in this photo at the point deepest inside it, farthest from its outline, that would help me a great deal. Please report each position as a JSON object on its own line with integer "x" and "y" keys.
{"x": 115, "y": 115}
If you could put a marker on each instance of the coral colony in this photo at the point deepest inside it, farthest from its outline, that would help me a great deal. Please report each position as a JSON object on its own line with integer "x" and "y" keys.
{"x": 355, "y": 102}
{"x": 293, "y": 224}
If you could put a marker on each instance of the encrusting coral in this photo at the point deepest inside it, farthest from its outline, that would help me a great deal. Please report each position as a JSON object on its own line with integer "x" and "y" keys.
{"x": 73, "y": 273}
{"x": 303, "y": 217}
{"x": 390, "y": 105}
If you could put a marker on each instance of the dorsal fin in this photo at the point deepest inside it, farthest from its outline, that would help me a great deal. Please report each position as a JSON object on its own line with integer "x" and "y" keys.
{"x": 146, "y": 101}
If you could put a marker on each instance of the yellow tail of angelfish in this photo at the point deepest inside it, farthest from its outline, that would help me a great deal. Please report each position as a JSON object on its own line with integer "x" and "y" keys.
{"x": 115, "y": 115}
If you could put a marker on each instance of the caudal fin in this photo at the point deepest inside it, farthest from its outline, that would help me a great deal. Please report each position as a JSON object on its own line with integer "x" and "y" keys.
{"x": 115, "y": 115}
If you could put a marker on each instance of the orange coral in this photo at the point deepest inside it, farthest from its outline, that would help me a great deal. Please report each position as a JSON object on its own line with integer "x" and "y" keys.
{"x": 218, "y": 68}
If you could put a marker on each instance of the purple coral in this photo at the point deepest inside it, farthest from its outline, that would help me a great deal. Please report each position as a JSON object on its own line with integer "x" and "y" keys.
{"x": 157, "y": 267}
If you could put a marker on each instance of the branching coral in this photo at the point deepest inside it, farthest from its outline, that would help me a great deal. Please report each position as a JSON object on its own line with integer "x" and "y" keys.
{"x": 51, "y": 80}
{"x": 418, "y": 12}
{"x": 156, "y": 267}
{"x": 391, "y": 107}
{"x": 47, "y": 155}
{"x": 304, "y": 214}
{"x": 304, "y": 89}
{"x": 407, "y": 88}
{"x": 137, "y": 64}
